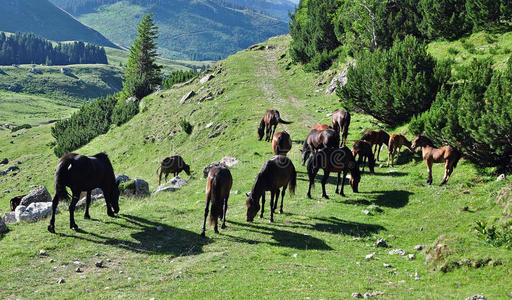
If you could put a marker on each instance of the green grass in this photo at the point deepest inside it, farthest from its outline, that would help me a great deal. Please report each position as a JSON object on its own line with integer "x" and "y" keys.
{"x": 315, "y": 250}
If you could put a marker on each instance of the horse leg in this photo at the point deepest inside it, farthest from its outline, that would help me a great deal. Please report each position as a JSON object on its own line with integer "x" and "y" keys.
{"x": 55, "y": 203}
{"x": 378, "y": 154}
{"x": 203, "y": 233}
{"x": 429, "y": 170}
{"x": 262, "y": 204}
{"x": 273, "y": 195}
{"x": 87, "y": 204}
{"x": 446, "y": 173}
{"x": 225, "y": 209}
{"x": 160, "y": 177}
{"x": 338, "y": 183}
{"x": 282, "y": 199}
{"x": 343, "y": 183}
{"x": 72, "y": 205}
{"x": 312, "y": 176}
{"x": 390, "y": 155}
{"x": 324, "y": 181}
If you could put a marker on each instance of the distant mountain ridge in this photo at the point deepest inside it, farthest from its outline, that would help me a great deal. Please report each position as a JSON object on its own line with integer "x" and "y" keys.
{"x": 45, "y": 19}
{"x": 193, "y": 30}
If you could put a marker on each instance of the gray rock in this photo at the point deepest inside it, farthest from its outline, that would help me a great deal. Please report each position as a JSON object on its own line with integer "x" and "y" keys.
{"x": 34, "y": 212}
{"x": 12, "y": 169}
{"x": 419, "y": 247}
{"x": 122, "y": 178}
{"x": 357, "y": 295}
{"x": 40, "y": 194}
{"x": 227, "y": 161}
{"x": 42, "y": 252}
{"x": 411, "y": 256}
{"x": 367, "y": 295}
{"x": 3, "y": 227}
{"x": 10, "y": 218}
{"x": 99, "y": 264}
{"x": 476, "y": 297}
{"x": 35, "y": 70}
{"x": 206, "y": 78}
{"x": 133, "y": 99}
{"x": 4, "y": 161}
{"x": 397, "y": 251}
{"x": 187, "y": 96}
{"x": 381, "y": 243}
{"x": 366, "y": 212}
{"x": 141, "y": 187}
{"x": 340, "y": 79}
{"x": 501, "y": 177}
{"x": 370, "y": 256}
{"x": 172, "y": 185}
{"x": 61, "y": 281}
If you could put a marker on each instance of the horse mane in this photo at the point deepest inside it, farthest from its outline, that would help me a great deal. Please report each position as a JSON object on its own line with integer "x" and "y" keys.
{"x": 66, "y": 156}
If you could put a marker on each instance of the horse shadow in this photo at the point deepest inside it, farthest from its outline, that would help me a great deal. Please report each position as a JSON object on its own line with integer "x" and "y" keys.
{"x": 318, "y": 179}
{"x": 339, "y": 226}
{"x": 392, "y": 174}
{"x": 391, "y": 199}
{"x": 149, "y": 237}
{"x": 283, "y": 238}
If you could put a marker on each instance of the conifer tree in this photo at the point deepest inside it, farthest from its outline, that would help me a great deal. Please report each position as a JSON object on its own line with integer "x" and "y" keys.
{"x": 142, "y": 73}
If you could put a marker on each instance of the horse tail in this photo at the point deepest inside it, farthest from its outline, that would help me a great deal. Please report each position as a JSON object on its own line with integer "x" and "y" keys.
{"x": 60, "y": 179}
{"x": 293, "y": 181}
{"x": 216, "y": 199}
{"x": 159, "y": 167}
{"x": 459, "y": 156}
{"x": 279, "y": 120}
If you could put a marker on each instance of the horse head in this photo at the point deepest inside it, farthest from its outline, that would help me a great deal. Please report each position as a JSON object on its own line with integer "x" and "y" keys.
{"x": 421, "y": 141}
{"x": 253, "y": 206}
{"x": 261, "y": 130}
{"x": 355, "y": 176}
{"x": 114, "y": 199}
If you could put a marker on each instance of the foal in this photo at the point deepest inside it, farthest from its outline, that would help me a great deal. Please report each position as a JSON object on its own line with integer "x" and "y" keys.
{"x": 364, "y": 150}
{"x": 396, "y": 141}
{"x": 218, "y": 187}
{"x": 340, "y": 123}
{"x": 431, "y": 155}
{"x": 377, "y": 138}
{"x": 269, "y": 123}
{"x": 281, "y": 143}
{"x": 172, "y": 164}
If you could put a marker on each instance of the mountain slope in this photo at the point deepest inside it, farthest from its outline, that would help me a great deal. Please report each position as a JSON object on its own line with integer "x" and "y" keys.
{"x": 277, "y": 8}
{"x": 193, "y": 30}
{"x": 45, "y": 19}
{"x": 316, "y": 249}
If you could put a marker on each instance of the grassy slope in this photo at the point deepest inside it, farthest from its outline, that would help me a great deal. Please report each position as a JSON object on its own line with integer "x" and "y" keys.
{"x": 329, "y": 237}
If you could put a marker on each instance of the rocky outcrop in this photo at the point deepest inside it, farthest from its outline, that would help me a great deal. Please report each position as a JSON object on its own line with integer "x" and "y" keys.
{"x": 226, "y": 161}
{"x": 40, "y": 194}
{"x": 206, "y": 78}
{"x": 10, "y": 218}
{"x": 187, "y": 96}
{"x": 136, "y": 187}
{"x": 340, "y": 79}
{"x": 34, "y": 212}
{"x": 172, "y": 185}
{"x": 3, "y": 227}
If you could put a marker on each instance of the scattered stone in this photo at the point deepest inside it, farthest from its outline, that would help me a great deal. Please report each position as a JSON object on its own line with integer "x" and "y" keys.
{"x": 340, "y": 79}
{"x": 132, "y": 99}
{"x": 172, "y": 185}
{"x": 397, "y": 251}
{"x": 42, "y": 252}
{"x": 208, "y": 125}
{"x": 3, "y": 227}
{"x": 206, "y": 78}
{"x": 40, "y": 194}
{"x": 357, "y": 295}
{"x": 35, "y": 70}
{"x": 78, "y": 270}
{"x": 501, "y": 177}
{"x": 159, "y": 228}
{"x": 416, "y": 276}
{"x": 99, "y": 264}
{"x": 136, "y": 187}
{"x": 476, "y": 297}
{"x": 370, "y": 256}
{"x": 381, "y": 243}
{"x": 366, "y": 212}
{"x": 106, "y": 288}
{"x": 386, "y": 265}
{"x": 401, "y": 282}
{"x": 367, "y": 295}
{"x": 187, "y": 96}
{"x": 419, "y": 247}
{"x": 122, "y": 178}
{"x": 411, "y": 256}
{"x": 34, "y": 212}
{"x": 96, "y": 254}
{"x": 61, "y": 281}
{"x": 52, "y": 260}
{"x": 121, "y": 272}
{"x": 4, "y": 161}
{"x": 295, "y": 255}
{"x": 227, "y": 161}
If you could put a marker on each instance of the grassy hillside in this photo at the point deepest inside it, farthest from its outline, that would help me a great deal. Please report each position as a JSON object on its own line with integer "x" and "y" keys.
{"x": 45, "y": 19}
{"x": 277, "y": 8}
{"x": 191, "y": 30}
{"x": 315, "y": 250}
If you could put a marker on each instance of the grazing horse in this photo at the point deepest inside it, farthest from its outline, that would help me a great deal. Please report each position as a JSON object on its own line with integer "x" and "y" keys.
{"x": 84, "y": 173}
{"x": 319, "y": 139}
{"x": 377, "y": 138}
{"x": 281, "y": 143}
{"x": 269, "y": 123}
{"x": 431, "y": 155}
{"x": 14, "y": 202}
{"x": 218, "y": 187}
{"x": 364, "y": 150}
{"x": 276, "y": 173}
{"x": 172, "y": 164}
{"x": 333, "y": 160}
{"x": 340, "y": 123}
{"x": 396, "y": 141}
{"x": 319, "y": 126}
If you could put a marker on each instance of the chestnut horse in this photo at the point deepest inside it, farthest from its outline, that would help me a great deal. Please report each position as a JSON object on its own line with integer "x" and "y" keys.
{"x": 431, "y": 155}
{"x": 281, "y": 143}
{"x": 276, "y": 173}
{"x": 319, "y": 126}
{"x": 172, "y": 164}
{"x": 319, "y": 139}
{"x": 396, "y": 141}
{"x": 218, "y": 187}
{"x": 340, "y": 123}
{"x": 84, "y": 173}
{"x": 364, "y": 150}
{"x": 333, "y": 160}
{"x": 377, "y": 138}
{"x": 269, "y": 123}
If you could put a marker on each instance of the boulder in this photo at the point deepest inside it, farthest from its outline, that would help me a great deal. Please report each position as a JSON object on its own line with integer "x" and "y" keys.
{"x": 4, "y": 161}
{"x": 226, "y": 161}
{"x": 206, "y": 78}
{"x": 187, "y": 96}
{"x": 122, "y": 178}
{"x": 34, "y": 212}
{"x": 132, "y": 99}
{"x": 10, "y": 217}
{"x": 35, "y": 70}
{"x": 172, "y": 185}
{"x": 96, "y": 194}
{"x": 340, "y": 79}
{"x": 136, "y": 187}
{"x": 40, "y": 194}
{"x": 3, "y": 227}
{"x": 12, "y": 169}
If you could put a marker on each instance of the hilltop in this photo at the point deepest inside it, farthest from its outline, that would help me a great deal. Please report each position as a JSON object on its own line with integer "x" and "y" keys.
{"x": 190, "y": 30}
{"x": 45, "y": 19}
{"x": 316, "y": 249}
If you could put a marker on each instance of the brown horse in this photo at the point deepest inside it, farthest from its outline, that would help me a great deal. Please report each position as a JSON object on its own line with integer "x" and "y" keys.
{"x": 396, "y": 141}
{"x": 319, "y": 126}
{"x": 377, "y": 138}
{"x": 172, "y": 164}
{"x": 276, "y": 173}
{"x": 281, "y": 143}
{"x": 218, "y": 187}
{"x": 340, "y": 123}
{"x": 269, "y": 123}
{"x": 333, "y": 160}
{"x": 431, "y": 155}
{"x": 364, "y": 150}
{"x": 319, "y": 139}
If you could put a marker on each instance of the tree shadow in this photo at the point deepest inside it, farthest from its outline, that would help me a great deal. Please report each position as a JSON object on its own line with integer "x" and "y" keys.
{"x": 339, "y": 226}
{"x": 392, "y": 174}
{"x": 283, "y": 238}
{"x": 393, "y": 199}
{"x": 150, "y": 238}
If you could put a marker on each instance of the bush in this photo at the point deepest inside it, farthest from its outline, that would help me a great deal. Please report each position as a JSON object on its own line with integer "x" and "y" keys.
{"x": 444, "y": 18}
{"x": 394, "y": 85}
{"x": 495, "y": 236}
{"x": 474, "y": 115}
{"x": 124, "y": 112}
{"x": 178, "y": 77}
{"x": 453, "y": 51}
{"x": 186, "y": 126}
{"x": 24, "y": 126}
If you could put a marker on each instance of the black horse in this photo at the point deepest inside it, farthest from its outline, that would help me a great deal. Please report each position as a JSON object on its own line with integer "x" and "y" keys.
{"x": 84, "y": 173}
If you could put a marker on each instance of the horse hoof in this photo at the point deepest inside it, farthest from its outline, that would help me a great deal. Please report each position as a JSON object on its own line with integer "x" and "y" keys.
{"x": 203, "y": 234}
{"x": 111, "y": 214}
{"x": 281, "y": 211}
{"x": 261, "y": 216}
{"x": 217, "y": 231}
{"x": 74, "y": 227}
{"x": 223, "y": 226}
{"x": 325, "y": 196}
{"x": 51, "y": 229}
{"x": 271, "y": 221}
{"x": 309, "y": 196}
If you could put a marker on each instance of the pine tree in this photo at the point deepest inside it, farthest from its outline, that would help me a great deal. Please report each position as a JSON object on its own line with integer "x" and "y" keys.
{"x": 142, "y": 73}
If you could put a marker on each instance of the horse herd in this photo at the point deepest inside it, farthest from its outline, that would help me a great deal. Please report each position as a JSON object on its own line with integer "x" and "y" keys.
{"x": 325, "y": 148}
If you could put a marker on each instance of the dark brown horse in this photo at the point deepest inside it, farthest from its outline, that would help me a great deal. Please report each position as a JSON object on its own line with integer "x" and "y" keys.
{"x": 14, "y": 202}
{"x": 363, "y": 149}
{"x": 172, "y": 164}
{"x": 269, "y": 123}
{"x": 333, "y": 160}
{"x": 377, "y": 138}
{"x": 447, "y": 154}
{"x": 319, "y": 139}
{"x": 340, "y": 123}
{"x": 218, "y": 187}
{"x": 396, "y": 141}
{"x": 281, "y": 143}
{"x": 84, "y": 173}
{"x": 275, "y": 174}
